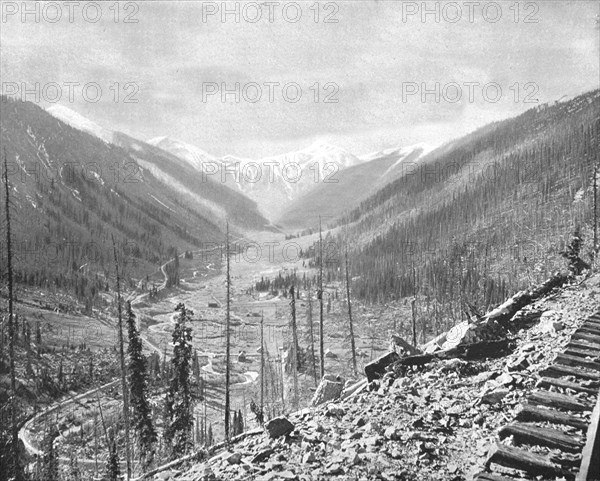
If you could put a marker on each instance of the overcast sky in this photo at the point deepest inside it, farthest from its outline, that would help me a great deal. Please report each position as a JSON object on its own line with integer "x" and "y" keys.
{"x": 374, "y": 51}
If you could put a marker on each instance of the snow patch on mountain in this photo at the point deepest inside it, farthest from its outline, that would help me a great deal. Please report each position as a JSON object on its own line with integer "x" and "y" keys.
{"x": 193, "y": 155}
{"x": 79, "y": 122}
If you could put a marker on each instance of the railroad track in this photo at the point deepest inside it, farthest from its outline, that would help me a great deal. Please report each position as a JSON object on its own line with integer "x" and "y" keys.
{"x": 555, "y": 433}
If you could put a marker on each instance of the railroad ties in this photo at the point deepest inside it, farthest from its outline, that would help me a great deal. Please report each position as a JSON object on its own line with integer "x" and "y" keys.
{"x": 555, "y": 433}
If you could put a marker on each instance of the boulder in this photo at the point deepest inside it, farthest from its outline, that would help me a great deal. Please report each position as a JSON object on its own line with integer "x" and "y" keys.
{"x": 519, "y": 364}
{"x": 309, "y": 458}
{"x": 242, "y": 356}
{"x": 377, "y": 368}
{"x": 330, "y": 354}
{"x": 327, "y": 391}
{"x": 278, "y": 427}
{"x": 234, "y": 458}
{"x": 335, "y": 410}
{"x": 494, "y": 397}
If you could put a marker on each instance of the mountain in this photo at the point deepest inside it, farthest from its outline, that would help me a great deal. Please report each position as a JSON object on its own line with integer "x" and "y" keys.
{"x": 213, "y": 197}
{"x": 72, "y": 192}
{"x": 273, "y": 182}
{"x": 349, "y": 187}
{"x": 192, "y": 155}
{"x": 482, "y": 216}
{"x": 209, "y": 195}
{"x": 79, "y": 122}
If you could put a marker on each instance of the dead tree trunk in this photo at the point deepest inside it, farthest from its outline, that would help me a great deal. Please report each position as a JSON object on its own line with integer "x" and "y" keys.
{"x": 227, "y": 339}
{"x": 312, "y": 337}
{"x": 124, "y": 387}
{"x": 414, "y": 309}
{"x": 321, "y": 327}
{"x": 352, "y": 342}
{"x": 595, "y": 207}
{"x": 11, "y": 333}
{"x": 262, "y": 363}
{"x": 294, "y": 350}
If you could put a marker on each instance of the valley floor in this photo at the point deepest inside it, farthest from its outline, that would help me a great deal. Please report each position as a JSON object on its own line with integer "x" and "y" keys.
{"x": 436, "y": 424}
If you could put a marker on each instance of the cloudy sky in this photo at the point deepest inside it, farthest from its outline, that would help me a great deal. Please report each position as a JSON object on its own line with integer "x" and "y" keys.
{"x": 364, "y": 57}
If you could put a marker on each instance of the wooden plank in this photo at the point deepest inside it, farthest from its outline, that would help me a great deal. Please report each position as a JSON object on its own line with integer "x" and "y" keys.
{"x": 576, "y": 361}
{"x": 525, "y": 461}
{"x": 593, "y": 354}
{"x": 491, "y": 477}
{"x": 548, "y": 382}
{"x": 558, "y": 401}
{"x": 530, "y": 412}
{"x": 534, "y": 435}
{"x": 583, "y": 345}
{"x": 590, "y": 329}
{"x": 587, "y": 337}
{"x": 590, "y": 460}
{"x": 556, "y": 370}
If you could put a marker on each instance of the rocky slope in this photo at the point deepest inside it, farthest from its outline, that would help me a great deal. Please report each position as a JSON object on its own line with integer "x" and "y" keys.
{"x": 436, "y": 423}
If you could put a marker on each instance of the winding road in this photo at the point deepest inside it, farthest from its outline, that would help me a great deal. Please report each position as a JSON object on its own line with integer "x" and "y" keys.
{"x": 26, "y": 432}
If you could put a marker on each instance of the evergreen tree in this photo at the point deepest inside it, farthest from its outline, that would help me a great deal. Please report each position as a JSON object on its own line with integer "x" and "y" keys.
{"x": 179, "y": 401}
{"x": 112, "y": 470}
{"x": 240, "y": 418}
{"x": 50, "y": 460}
{"x": 138, "y": 385}
{"x": 209, "y": 436}
{"x": 74, "y": 472}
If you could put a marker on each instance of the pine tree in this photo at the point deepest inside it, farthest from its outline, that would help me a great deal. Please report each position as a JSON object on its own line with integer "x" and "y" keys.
{"x": 50, "y": 460}
{"x": 112, "y": 470}
{"x": 209, "y": 436}
{"x": 138, "y": 384}
{"x": 74, "y": 473}
{"x": 240, "y": 429}
{"x": 179, "y": 401}
{"x": 235, "y": 424}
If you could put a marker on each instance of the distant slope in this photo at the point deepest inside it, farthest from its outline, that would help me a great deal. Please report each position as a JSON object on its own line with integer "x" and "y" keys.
{"x": 71, "y": 192}
{"x": 348, "y": 188}
{"x": 79, "y": 122}
{"x": 483, "y": 215}
{"x": 206, "y": 193}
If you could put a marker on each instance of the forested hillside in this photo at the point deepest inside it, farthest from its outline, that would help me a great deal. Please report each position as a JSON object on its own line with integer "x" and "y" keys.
{"x": 482, "y": 216}
{"x": 71, "y": 192}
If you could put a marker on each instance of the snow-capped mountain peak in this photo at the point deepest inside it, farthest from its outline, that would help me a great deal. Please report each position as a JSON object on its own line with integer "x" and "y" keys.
{"x": 190, "y": 153}
{"x": 79, "y": 122}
